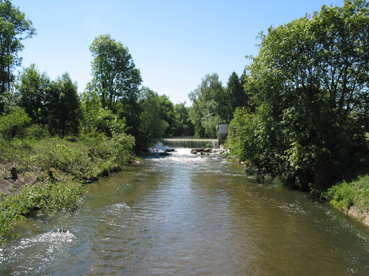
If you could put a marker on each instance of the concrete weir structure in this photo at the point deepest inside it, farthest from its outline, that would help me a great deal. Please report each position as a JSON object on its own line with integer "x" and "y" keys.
{"x": 190, "y": 143}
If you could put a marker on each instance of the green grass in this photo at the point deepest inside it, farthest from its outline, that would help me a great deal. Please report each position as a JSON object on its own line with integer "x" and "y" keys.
{"x": 46, "y": 198}
{"x": 347, "y": 194}
{"x": 61, "y": 166}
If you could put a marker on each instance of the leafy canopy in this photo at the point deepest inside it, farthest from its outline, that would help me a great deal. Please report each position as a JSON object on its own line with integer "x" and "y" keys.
{"x": 310, "y": 82}
{"x": 115, "y": 75}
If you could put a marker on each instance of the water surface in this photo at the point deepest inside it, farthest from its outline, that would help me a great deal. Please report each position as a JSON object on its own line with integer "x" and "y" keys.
{"x": 190, "y": 215}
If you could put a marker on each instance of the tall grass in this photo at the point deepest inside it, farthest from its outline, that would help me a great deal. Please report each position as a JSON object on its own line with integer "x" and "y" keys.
{"x": 46, "y": 198}
{"x": 62, "y": 165}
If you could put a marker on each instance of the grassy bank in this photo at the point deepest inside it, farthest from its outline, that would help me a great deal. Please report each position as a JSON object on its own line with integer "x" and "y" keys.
{"x": 47, "y": 175}
{"x": 352, "y": 197}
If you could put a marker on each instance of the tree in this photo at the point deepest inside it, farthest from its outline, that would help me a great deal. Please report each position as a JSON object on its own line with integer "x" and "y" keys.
{"x": 115, "y": 76}
{"x": 310, "y": 82}
{"x": 32, "y": 87}
{"x": 14, "y": 124}
{"x": 63, "y": 107}
{"x": 167, "y": 114}
{"x": 14, "y": 28}
{"x": 235, "y": 95}
{"x": 201, "y": 112}
{"x": 96, "y": 119}
{"x": 152, "y": 126}
{"x": 182, "y": 123}
{"x": 52, "y": 103}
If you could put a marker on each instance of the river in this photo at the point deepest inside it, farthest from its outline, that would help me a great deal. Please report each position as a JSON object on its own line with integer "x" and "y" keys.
{"x": 189, "y": 214}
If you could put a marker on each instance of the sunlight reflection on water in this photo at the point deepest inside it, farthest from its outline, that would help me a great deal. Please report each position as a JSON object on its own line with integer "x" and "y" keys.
{"x": 191, "y": 215}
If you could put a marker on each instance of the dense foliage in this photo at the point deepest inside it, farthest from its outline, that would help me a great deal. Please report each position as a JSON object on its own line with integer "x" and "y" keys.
{"x": 310, "y": 83}
{"x": 115, "y": 75}
{"x": 14, "y": 27}
{"x": 47, "y": 173}
{"x": 52, "y": 138}
{"x": 299, "y": 112}
{"x": 152, "y": 125}
{"x": 212, "y": 103}
{"x": 346, "y": 195}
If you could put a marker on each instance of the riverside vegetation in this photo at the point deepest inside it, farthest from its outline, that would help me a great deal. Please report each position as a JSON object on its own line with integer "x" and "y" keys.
{"x": 300, "y": 109}
{"x": 297, "y": 112}
{"x": 53, "y": 139}
{"x": 46, "y": 174}
{"x": 310, "y": 84}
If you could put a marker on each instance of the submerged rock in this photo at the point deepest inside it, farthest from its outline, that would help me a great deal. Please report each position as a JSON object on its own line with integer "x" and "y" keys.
{"x": 60, "y": 231}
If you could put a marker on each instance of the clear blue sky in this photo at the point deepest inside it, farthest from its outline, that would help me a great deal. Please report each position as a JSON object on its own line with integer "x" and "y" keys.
{"x": 174, "y": 43}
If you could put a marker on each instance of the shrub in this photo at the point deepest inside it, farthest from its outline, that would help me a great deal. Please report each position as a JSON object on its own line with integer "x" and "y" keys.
{"x": 14, "y": 124}
{"x": 346, "y": 194}
{"x": 46, "y": 199}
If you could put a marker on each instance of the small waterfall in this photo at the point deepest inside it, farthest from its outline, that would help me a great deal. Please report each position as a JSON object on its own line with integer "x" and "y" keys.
{"x": 190, "y": 143}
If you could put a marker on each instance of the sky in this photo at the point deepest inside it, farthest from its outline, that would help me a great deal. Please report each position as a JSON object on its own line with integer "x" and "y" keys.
{"x": 174, "y": 43}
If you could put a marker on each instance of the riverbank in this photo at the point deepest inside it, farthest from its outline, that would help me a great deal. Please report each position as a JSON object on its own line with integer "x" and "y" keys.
{"x": 47, "y": 175}
{"x": 351, "y": 197}
{"x": 189, "y": 214}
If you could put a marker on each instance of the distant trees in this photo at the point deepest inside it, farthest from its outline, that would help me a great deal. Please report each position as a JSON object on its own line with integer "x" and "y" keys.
{"x": 14, "y": 28}
{"x": 182, "y": 123}
{"x": 212, "y": 103}
{"x": 310, "y": 82}
{"x": 63, "y": 107}
{"x": 52, "y": 103}
{"x": 167, "y": 114}
{"x": 152, "y": 124}
{"x": 207, "y": 109}
{"x": 236, "y": 95}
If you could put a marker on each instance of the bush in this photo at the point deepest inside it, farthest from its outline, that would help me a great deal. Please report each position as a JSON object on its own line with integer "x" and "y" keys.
{"x": 14, "y": 124}
{"x": 46, "y": 199}
{"x": 61, "y": 165}
{"x": 355, "y": 193}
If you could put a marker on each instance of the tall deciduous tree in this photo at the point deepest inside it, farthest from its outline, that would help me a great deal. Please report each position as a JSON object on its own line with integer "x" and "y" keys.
{"x": 310, "y": 80}
{"x": 14, "y": 28}
{"x": 115, "y": 75}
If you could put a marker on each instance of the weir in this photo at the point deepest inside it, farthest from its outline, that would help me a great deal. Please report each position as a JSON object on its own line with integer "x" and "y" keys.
{"x": 190, "y": 143}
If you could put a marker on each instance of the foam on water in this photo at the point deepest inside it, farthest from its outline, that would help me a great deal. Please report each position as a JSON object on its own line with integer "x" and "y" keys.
{"x": 160, "y": 148}
{"x": 30, "y": 255}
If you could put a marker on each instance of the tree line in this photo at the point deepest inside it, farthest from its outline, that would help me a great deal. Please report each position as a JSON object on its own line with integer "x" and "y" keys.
{"x": 113, "y": 103}
{"x": 212, "y": 103}
{"x": 299, "y": 110}
{"x": 309, "y": 83}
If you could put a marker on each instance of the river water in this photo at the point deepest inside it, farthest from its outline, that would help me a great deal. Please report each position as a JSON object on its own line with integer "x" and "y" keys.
{"x": 189, "y": 214}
